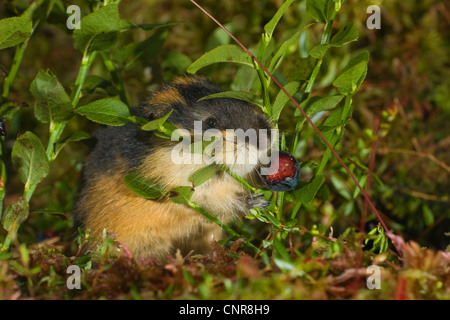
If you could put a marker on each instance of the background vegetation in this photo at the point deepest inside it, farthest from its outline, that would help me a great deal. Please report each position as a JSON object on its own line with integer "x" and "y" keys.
{"x": 400, "y": 120}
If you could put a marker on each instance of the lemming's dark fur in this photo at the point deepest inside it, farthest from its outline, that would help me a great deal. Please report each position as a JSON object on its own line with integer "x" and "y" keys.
{"x": 105, "y": 202}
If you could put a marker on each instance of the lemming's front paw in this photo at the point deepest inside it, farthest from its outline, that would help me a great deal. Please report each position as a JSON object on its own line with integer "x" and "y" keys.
{"x": 257, "y": 200}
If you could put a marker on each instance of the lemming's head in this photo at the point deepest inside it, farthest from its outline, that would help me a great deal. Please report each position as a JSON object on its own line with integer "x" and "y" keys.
{"x": 240, "y": 131}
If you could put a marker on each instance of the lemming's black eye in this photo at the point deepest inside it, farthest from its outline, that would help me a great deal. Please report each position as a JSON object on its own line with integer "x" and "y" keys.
{"x": 211, "y": 123}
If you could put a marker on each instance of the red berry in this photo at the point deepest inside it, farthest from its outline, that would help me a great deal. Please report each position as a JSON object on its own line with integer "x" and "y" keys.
{"x": 287, "y": 175}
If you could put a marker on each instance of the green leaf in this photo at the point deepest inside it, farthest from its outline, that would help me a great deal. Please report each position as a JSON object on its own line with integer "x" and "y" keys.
{"x": 107, "y": 111}
{"x": 240, "y": 95}
{"x": 160, "y": 127}
{"x": 157, "y": 124}
{"x": 319, "y": 50}
{"x": 334, "y": 119}
{"x": 428, "y": 216}
{"x": 224, "y": 53}
{"x": 306, "y": 192}
{"x": 270, "y": 26}
{"x": 98, "y": 30}
{"x": 362, "y": 182}
{"x": 317, "y": 104}
{"x": 288, "y": 267}
{"x": 281, "y": 99}
{"x": 52, "y": 102}
{"x": 187, "y": 276}
{"x": 286, "y": 47}
{"x": 15, "y": 214}
{"x": 281, "y": 250}
{"x": 152, "y": 125}
{"x": 320, "y": 10}
{"x": 331, "y": 123}
{"x": 181, "y": 195}
{"x": 303, "y": 69}
{"x": 143, "y": 187}
{"x": 199, "y": 147}
{"x": 340, "y": 187}
{"x": 203, "y": 174}
{"x": 353, "y": 74}
{"x": 346, "y": 34}
{"x": 14, "y": 31}
{"x": 29, "y": 157}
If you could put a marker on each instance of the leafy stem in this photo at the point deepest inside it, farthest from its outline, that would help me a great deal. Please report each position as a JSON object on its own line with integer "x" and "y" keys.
{"x": 86, "y": 62}
{"x": 57, "y": 128}
{"x": 18, "y": 56}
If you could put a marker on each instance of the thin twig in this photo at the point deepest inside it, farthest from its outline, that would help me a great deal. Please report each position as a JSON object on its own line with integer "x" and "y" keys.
{"x": 421, "y": 154}
{"x": 425, "y": 196}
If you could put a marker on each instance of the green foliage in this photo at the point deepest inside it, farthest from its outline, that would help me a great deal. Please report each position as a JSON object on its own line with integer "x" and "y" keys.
{"x": 270, "y": 26}
{"x": 107, "y": 111}
{"x": 144, "y": 188}
{"x": 204, "y": 174}
{"x": 241, "y": 95}
{"x": 160, "y": 127}
{"x": 306, "y": 192}
{"x": 15, "y": 214}
{"x": 181, "y": 195}
{"x": 98, "y": 30}
{"x": 224, "y": 53}
{"x": 352, "y": 75}
{"x": 15, "y": 30}
{"x": 317, "y": 104}
{"x": 321, "y": 10}
{"x": 346, "y": 34}
{"x": 282, "y": 99}
{"x": 52, "y": 102}
{"x": 29, "y": 157}
{"x": 272, "y": 54}
{"x": 319, "y": 51}
{"x": 380, "y": 241}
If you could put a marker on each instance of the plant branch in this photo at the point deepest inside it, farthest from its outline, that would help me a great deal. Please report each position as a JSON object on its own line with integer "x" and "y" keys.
{"x": 18, "y": 56}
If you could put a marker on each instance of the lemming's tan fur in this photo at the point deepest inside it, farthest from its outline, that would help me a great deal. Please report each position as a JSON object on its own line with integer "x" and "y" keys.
{"x": 158, "y": 227}
{"x": 136, "y": 221}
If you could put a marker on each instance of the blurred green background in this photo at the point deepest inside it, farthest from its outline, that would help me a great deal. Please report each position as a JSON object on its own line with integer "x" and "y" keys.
{"x": 407, "y": 88}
